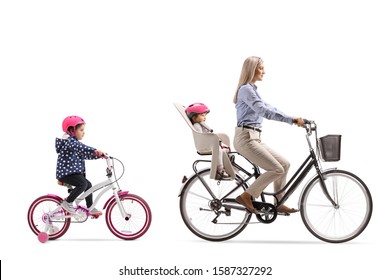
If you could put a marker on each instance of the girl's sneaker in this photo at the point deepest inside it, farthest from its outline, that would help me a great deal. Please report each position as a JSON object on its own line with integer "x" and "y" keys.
{"x": 67, "y": 206}
{"x": 95, "y": 212}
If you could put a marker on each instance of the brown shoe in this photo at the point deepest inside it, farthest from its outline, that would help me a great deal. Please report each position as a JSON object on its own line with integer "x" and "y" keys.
{"x": 245, "y": 200}
{"x": 285, "y": 209}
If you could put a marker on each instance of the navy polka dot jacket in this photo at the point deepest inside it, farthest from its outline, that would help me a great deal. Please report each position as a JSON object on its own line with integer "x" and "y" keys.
{"x": 71, "y": 156}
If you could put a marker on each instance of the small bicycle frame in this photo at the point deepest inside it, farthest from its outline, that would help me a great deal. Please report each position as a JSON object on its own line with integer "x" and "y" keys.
{"x": 107, "y": 184}
{"x": 128, "y": 216}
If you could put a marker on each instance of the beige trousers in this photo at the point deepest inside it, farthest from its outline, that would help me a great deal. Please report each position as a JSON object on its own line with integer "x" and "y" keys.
{"x": 248, "y": 143}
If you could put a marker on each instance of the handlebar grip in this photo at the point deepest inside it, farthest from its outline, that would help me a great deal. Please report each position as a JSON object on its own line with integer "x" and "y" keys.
{"x": 104, "y": 156}
{"x": 305, "y": 121}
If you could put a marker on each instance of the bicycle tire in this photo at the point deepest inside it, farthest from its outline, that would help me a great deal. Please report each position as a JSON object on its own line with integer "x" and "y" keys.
{"x": 344, "y": 222}
{"x": 198, "y": 215}
{"x": 37, "y": 214}
{"x": 135, "y": 224}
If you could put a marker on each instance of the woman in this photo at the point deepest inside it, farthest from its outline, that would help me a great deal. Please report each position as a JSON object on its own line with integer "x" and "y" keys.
{"x": 251, "y": 110}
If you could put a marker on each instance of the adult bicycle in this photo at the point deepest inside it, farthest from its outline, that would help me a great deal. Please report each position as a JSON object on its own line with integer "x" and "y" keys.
{"x": 128, "y": 216}
{"x": 335, "y": 205}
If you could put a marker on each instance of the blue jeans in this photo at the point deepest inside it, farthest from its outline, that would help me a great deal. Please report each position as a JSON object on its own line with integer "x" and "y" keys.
{"x": 81, "y": 184}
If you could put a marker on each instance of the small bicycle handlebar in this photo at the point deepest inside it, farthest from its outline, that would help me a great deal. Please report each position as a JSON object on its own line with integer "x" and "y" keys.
{"x": 110, "y": 170}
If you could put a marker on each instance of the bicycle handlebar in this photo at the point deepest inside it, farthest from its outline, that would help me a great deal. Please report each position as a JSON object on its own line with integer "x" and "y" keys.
{"x": 309, "y": 126}
{"x": 110, "y": 170}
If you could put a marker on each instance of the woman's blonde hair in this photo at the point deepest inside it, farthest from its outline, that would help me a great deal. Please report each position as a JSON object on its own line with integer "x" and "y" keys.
{"x": 247, "y": 72}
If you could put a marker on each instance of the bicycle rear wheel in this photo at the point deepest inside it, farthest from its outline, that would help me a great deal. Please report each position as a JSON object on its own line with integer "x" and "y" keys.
{"x": 348, "y": 218}
{"x": 45, "y": 215}
{"x": 200, "y": 211}
{"x": 137, "y": 220}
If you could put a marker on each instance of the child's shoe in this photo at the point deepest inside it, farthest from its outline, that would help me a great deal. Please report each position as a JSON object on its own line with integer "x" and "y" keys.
{"x": 222, "y": 175}
{"x": 67, "y": 206}
{"x": 95, "y": 212}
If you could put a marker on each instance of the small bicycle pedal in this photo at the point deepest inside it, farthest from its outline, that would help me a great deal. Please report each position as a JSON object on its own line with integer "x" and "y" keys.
{"x": 95, "y": 216}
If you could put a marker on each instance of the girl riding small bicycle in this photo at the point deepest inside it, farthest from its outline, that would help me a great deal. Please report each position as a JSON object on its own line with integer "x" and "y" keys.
{"x": 71, "y": 161}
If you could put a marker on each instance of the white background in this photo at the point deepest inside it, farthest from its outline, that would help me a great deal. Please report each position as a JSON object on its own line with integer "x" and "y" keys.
{"x": 122, "y": 64}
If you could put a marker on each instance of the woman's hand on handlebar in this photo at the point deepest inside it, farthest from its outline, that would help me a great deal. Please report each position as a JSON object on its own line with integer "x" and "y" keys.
{"x": 299, "y": 122}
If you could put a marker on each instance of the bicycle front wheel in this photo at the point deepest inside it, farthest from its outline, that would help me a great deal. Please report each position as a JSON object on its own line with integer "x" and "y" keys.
{"x": 46, "y": 215}
{"x": 206, "y": 216}
{"x": 348, "y": 218}
{"x": 136, "y": 221}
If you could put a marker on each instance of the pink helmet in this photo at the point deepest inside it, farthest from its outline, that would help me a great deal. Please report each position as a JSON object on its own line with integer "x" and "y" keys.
{"x": 71, "y": 121}
{"x": 196, "y": 108}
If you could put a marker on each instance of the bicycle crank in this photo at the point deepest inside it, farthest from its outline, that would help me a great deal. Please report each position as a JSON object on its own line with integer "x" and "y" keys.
{"x": 266, "y": 212}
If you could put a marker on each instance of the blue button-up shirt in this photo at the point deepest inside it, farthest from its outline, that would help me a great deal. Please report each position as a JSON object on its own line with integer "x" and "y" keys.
{"x": 252, "y": 109}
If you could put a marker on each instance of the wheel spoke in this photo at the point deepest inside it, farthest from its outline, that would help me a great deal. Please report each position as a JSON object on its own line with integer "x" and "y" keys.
{"x": 207, "y": 217}
{"x": 348, "y": 218}
{"x": 45, "y": 214}
{"x": 136, "y": 221}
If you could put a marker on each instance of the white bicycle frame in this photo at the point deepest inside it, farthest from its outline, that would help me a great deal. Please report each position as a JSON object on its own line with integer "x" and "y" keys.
{"x": 107, "y": 184}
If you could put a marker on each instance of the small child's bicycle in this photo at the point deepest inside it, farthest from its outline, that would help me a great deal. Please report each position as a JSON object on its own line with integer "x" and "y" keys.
{"x": 128, "y": 216}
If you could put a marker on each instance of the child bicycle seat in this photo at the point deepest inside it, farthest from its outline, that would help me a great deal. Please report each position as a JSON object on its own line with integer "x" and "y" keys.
{"x": 70, "y": 187}
{"x": 208, "y": 144}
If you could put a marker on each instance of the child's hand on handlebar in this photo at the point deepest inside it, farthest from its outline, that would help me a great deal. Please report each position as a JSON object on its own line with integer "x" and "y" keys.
{"x": 99, "y": 153}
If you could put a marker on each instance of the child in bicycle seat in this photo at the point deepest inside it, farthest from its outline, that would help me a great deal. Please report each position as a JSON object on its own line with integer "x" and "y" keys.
{"x": 197, "y": 113}
{"x": 71, "y": 162}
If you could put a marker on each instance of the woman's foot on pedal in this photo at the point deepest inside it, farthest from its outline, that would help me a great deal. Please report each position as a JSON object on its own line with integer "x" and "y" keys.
{"x": 245, "y": 200}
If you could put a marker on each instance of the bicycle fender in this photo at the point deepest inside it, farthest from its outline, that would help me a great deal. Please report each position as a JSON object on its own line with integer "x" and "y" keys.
{"x": 120, "y": 194}
{"x": 182, "y": 186}
{"x": 185, "y": 182}
{"x": 189, "y": 180}
{"x": 312, "y": 178}
{"x": 55, "y": 196}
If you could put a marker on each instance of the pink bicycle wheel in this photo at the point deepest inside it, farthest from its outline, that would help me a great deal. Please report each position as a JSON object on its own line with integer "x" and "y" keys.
{"x": 45, "y": 214}
{"x": 136, "y": 222}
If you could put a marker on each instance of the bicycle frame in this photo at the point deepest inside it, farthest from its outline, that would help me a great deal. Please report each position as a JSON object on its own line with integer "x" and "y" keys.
{"x": 107, "y": 185}
{"x": 310, "y": 162}
{"x": 291, "y": 186}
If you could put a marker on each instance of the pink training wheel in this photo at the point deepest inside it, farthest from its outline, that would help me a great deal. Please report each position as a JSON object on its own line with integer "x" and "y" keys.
{"x": 43, "y": 237}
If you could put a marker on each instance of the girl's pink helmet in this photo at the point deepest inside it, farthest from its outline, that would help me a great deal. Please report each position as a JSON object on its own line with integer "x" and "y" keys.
{"x": 71, "y": 121}
{"x": 196, "y": 108}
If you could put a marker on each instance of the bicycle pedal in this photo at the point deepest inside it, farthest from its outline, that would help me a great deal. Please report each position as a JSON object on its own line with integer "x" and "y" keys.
{"x": 95, "y": 216}
{"x": 283, "y": 214}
